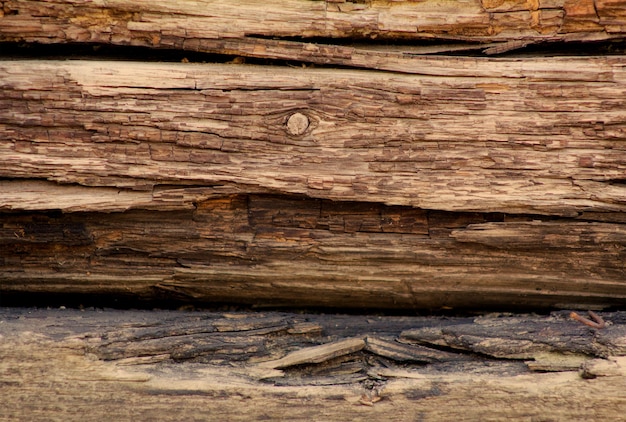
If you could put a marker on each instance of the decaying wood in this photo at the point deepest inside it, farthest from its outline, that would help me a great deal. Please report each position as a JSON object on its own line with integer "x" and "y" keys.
{"x": 317, "y": 187}
{"x": 421, "y": 182}
{"x": 271, "y": 29}
{"x": 94, "y": 365}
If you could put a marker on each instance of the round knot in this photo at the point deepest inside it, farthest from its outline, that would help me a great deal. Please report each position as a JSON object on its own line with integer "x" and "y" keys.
{"x": 297, "y": 124}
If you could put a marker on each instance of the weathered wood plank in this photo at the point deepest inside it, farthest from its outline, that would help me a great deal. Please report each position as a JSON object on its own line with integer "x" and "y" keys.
{"x": 268, "y": 29}
{"x": 294, "y": 251}
{"x": 502, "y": 188}
{"x": 94, "y": 365}
{"x": 532, "y": 137}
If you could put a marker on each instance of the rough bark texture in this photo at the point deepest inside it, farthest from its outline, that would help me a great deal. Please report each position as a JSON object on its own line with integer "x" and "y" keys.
{"x": 129, "y": 365}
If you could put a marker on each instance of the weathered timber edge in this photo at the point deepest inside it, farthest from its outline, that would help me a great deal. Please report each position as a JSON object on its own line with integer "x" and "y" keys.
{"x": 94, "y": 365}
{"x": 283, "y": 29}
{"x": 268, "y": 250}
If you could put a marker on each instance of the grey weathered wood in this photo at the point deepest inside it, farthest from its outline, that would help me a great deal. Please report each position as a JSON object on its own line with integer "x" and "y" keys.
{"x": 95, "y": 364}
{"x": 524, "y": 338}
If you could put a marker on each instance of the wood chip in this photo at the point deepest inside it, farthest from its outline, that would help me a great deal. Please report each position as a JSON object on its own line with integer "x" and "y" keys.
{"x": 317, "y": 354}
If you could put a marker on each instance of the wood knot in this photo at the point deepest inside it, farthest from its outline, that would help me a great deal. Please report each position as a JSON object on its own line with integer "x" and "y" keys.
{"x": 297, "y": 124}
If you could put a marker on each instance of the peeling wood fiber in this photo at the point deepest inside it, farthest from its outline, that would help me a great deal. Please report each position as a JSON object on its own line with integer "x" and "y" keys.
{"x": 95, "y": 365}
{"x": 207, "y": 25}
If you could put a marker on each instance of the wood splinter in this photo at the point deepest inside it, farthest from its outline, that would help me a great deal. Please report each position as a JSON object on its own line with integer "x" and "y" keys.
{"x": 597, "y": 322}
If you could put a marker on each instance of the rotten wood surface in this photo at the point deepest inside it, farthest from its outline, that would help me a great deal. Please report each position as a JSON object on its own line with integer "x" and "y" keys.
{"x": 171, "y": 365}
{"x": 265, "y": 250}
{"x": 491, "y": 186}
{"x": 421, "y": 181}
{"x": 522, "y": 136}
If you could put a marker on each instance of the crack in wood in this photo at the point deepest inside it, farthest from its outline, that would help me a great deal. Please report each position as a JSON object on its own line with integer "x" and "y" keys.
{"x": 221, "y": 355}
{"x": 317, "y": 349}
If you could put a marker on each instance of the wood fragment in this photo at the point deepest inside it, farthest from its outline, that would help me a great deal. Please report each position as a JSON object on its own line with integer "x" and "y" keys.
{"x": 524, "y": 338}
{"x": 612, "y": 367}
{"x": 160, "y": 25}
{"x": 597, "y": 322}
{"x": 316, "y": 354}
{"x": 396, "y": 351}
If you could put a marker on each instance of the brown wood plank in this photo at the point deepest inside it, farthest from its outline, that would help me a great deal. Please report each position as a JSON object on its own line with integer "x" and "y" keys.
{"x": 293, "y": 251}
{"x": 316, "y": 187}
{"x": 268, "y": 29}
{"x": 531, "y": 137}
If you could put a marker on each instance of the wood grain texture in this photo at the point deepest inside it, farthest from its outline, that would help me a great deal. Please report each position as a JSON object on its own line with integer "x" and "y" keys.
{"x": 270, "y": 250}
{"x": 420, "y": 182}
{"x": 94, "y": 365}
{"x": 316, "y": 187}
{"x": 523, "y": 137}
{"x": 274, "y": 29}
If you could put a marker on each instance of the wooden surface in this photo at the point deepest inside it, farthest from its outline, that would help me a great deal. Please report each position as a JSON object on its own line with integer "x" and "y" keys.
{"x": 420, "y": 181}
{"x": 143, "y": 365}
{"x": 316, "y": 187}
{"x": 392, "y": 177}
{"x": 316, "y": 31}
{"x": 524, "y": 136}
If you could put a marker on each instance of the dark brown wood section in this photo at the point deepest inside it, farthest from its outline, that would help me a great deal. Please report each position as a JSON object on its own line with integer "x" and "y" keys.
{"x": 266, "y": 250}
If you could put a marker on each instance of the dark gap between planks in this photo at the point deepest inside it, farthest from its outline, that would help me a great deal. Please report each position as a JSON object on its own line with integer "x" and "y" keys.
{"x": 84, "y": 51}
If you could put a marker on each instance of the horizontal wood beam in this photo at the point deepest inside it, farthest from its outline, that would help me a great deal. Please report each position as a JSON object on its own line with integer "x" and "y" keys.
{"x": 524, "y": 137}
{"x": 102, "y": 364}
{"x": 265, "y": 28}
{"x": 270, "y": 250}
{"x": 504, "y": 188}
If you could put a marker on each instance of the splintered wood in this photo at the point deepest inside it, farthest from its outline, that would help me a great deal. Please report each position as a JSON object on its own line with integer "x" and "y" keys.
{"x": 140, "y": 365}
{"x": 297, "y": 153}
